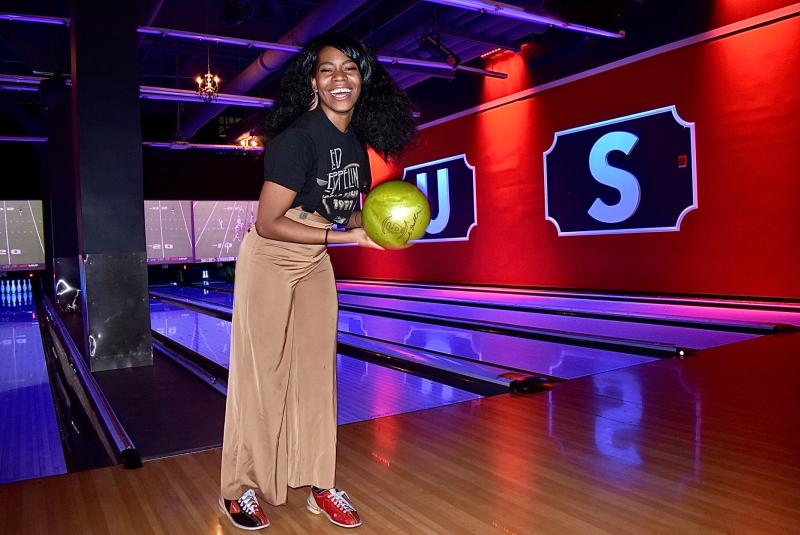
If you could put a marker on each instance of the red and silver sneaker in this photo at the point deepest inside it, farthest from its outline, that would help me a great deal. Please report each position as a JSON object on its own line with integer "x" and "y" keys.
{"x": 334, "y": 504}
{"x": 245, "y": 513}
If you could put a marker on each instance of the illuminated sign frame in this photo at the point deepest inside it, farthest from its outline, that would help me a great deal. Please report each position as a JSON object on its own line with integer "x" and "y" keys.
{"x": 676, "y": 227}
{"x": 469, "y": 166}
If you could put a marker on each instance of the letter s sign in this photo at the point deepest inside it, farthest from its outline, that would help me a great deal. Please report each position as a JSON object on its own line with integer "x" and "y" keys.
{"x": 631, "y": 174}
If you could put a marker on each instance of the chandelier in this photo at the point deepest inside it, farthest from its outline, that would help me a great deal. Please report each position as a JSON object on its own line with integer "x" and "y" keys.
{"x": 249, "y": 141}
{"x": 208, "y": 84}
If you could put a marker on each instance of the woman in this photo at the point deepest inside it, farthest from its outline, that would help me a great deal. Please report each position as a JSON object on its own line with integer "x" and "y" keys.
{"x": 280, "y": 422}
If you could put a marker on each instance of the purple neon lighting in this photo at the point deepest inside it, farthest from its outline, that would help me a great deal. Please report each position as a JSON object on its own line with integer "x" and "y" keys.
{"x": 23, "y": 139}
{"x": 220, "y": 39}
{"x": 28, "y": 88}
{"x": 413, "y": 62}
{"x": 157, "y": 144}
{"x": 148, "y": 92}
{"x": 56, "y": 21}
{"x": 20, "y": 79}
{"x": 185, "y": 95}
{"x": 203, "y": 146}
{"x": 514, "y": 12}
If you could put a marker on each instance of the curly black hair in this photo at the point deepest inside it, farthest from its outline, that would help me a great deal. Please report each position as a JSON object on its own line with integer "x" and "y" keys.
{"x": 382, "y": 116}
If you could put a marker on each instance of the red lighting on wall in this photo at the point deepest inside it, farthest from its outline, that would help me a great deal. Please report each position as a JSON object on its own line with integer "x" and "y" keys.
{"x": 515, "y": 65}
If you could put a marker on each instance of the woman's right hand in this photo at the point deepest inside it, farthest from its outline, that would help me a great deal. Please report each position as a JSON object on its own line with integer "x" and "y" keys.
{"x": 359, "y": 236}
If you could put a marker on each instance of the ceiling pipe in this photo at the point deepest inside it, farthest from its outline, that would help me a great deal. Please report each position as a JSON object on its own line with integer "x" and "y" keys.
{"x": 218, "y": 39}
{"x": 514, "y": 12}
{"x": 173, "y": 145}
{"x": 20, "y": 88}
{"x": 37, "y": 19}
{"x": 182, "y": 145}
{"x": 147, "y": 92}
{"x": 12, "y": 82}
{"x": 21, "y": 79}
{"x": 23, "y": 139}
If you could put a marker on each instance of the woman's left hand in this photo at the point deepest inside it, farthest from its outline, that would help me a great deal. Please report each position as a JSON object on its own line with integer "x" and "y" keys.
{"x": 359, "y": 236}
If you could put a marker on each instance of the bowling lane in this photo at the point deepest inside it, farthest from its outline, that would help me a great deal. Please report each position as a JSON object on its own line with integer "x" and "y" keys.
{"x": 664, "y": 310}
{"x": 365, "y": 390}
{"x": 203, "y": 295}
{"x": 533, "y": 356}
{"x": 203, "y": 334}
{"x": 684, "y": 337}
{"x": 30, "y": 444}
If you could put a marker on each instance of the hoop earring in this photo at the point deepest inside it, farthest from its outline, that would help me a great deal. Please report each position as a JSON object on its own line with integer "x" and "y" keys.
{"x": 314, "y": 101}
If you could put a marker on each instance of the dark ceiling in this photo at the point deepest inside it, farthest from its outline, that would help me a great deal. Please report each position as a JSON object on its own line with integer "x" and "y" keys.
{"x": 409, "y": 29}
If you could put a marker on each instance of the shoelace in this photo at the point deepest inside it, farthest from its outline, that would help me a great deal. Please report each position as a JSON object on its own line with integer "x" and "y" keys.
{"x": 339, "y": 499}
{"x": 248, "y": 502}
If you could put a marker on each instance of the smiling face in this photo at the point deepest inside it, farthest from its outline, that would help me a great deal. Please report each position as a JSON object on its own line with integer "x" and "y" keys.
{"x": 338, "y": 83}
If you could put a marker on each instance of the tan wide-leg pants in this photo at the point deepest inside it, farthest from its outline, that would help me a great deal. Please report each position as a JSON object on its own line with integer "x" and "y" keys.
{"x": 280, "y": 419}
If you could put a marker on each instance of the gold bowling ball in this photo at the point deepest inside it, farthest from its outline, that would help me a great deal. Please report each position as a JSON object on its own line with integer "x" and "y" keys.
{"x": 395, "y": 213}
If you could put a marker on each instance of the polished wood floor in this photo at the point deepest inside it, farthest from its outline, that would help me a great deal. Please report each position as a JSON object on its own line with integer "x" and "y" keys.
{"x": 706, "y": 445}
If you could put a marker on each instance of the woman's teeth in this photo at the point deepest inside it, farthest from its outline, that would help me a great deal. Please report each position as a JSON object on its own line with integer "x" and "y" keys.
{"x": 341, "y": 94}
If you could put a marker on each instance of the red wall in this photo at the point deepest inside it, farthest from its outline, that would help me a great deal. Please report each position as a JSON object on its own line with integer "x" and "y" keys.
{"x": 741, "y": 93}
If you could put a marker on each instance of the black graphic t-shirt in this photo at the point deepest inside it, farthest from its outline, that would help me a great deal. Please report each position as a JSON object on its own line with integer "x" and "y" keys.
{"x": 326, "y": 167}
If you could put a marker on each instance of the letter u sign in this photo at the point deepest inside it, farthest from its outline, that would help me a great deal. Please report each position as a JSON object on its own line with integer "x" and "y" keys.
{"x": 631, "y": 174}
{"x": 449, "y": 185}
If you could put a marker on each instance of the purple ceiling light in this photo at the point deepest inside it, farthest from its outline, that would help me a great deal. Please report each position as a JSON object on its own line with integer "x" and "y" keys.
{"x": 219, "y": 39}
{"x": 518, "y": 13}
{"x": 56, "y": 21}
{"x": 174, "y": 145}
{"x": 13, "y": 82}
{"x": 19, "y": 79}
{"x": 23, "y": 139}
{"x": 413, "y": 62}
{"x": 23, "y": 88}
{"x": 185, "y": 95}
{"x": 182, "y": 145}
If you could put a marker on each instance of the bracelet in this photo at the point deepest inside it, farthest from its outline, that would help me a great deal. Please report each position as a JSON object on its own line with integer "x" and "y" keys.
{"x": 326, "y": 236}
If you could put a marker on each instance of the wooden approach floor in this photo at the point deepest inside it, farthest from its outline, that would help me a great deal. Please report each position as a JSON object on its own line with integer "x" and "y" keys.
{"x": 706, "y": 445}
